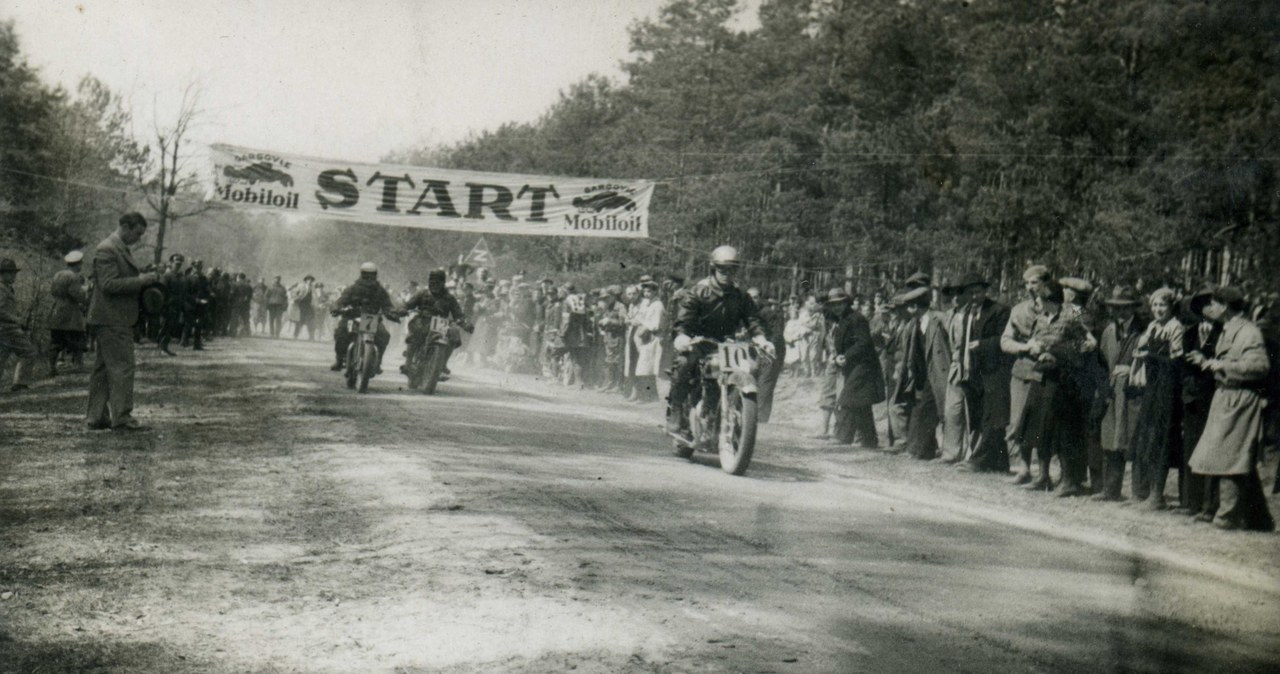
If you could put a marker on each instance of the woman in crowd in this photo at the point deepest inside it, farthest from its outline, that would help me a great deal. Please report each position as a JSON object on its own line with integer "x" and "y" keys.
{"x": 1157, "y": 370}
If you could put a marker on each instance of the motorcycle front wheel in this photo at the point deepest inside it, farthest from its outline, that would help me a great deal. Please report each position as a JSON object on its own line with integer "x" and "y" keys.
{"x": 436, "y": 357}
{"x": 368, "y": 365}
{"x": 353, "y": 363}
{"x": 738, "y": 432}
{"x": 414, "y": 368}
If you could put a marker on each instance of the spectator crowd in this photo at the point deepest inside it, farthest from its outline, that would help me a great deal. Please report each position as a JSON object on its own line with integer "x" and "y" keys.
{"x": 1063, "y": 389}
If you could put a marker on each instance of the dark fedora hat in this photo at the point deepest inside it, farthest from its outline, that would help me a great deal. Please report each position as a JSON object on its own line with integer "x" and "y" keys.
{"x": 1231, "y": 297}
{"x": 7, "y": 264}
{"x": 1123, "y": 296}
{"x": 966, "y": 281}
{"x": 151, "y": 300}
{"x": 1199, "y": 300}
{"x": 836, "y": 295}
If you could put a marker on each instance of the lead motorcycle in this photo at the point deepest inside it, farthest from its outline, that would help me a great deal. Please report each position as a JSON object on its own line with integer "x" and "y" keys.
{"x": 362, "y": 354}
{"x": 428, "y": 352}
{"x": 721, "y": 408}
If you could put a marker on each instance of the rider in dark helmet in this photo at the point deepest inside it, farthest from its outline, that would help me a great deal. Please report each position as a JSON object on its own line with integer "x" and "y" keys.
{"x": 436, "y": 300}
{"x": 365, "y": 296}
{"x": 715, "y": 308}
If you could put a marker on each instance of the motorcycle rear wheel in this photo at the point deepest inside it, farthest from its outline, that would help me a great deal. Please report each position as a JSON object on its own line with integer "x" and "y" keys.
{"x": 353, "y": 364}
{"x": 738, "y": 439}
{"x": 368, "y": 365}
{"x": 436, "y": 356}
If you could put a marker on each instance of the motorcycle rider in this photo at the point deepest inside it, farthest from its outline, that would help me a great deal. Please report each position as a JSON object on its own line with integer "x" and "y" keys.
{"x": 436, "y": 300}
{"x": 365, "y": 296}
{"x": 714, "y": 308}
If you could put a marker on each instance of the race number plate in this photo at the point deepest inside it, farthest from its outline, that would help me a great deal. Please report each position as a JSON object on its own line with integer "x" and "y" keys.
{"x": 439, "y": 324}
{"x": 735, "y": 358}
{"x": 368, "y": 323}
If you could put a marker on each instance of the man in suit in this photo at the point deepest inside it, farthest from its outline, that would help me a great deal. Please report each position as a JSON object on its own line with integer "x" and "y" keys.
{"x": 113, "y": 311}
{"x": 913, "y": 387}
{"x": 981, "y": 368}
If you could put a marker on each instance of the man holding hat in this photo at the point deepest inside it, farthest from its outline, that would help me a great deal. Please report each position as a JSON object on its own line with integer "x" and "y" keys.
{"x": 1016, "y": 341}
{"x": 1228, "y": 450}
{"x": 13, "y": 337}
{"x": 113, "y": 311}
{"x": 66, "y": 320}
{"x": 854, "y": 354}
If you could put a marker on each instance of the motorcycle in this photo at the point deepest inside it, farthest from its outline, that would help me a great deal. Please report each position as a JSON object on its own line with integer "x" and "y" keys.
{"x": 721, "y": 409}
{"x": 362, "y": 353}
{"x": 428, "y": 351}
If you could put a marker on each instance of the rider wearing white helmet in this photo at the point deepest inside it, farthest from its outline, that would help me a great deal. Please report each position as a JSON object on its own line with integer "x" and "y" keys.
{"x": 715, "y": 308}
{"x": 367, "y": 296}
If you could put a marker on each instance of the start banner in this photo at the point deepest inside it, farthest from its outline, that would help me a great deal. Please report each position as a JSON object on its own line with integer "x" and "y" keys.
{"x": 430, "y": 198}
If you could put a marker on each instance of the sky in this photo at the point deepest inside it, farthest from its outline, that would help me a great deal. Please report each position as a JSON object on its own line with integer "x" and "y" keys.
{"x": 336, "y": 79}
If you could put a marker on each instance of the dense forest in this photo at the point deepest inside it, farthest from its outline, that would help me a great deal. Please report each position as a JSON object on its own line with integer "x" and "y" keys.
{"x": 1117, "y": 139}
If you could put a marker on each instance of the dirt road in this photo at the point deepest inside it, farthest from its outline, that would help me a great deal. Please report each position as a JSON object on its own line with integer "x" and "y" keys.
{"x": 273, "y": 521}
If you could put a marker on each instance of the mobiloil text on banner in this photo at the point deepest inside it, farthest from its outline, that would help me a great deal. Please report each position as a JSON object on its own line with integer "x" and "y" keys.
{"x": 414, "y": 196}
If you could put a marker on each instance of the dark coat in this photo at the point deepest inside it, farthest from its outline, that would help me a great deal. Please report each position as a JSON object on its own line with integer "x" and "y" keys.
{"x": 937, "y": 353}
{"x": 988, "y": 367}
{"x": 863, "y": 380}
{"x": 712, "y": 310}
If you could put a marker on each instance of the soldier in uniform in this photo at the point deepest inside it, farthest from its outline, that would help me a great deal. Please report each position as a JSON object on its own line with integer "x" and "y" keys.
{"x": 175, "y": 302}
{"x": 195, "y": 312}
{"x": 66, "y": 320}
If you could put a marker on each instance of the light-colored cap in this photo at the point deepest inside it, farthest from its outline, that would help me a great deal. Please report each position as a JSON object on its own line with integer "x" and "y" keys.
{"x": 73, "y": 257}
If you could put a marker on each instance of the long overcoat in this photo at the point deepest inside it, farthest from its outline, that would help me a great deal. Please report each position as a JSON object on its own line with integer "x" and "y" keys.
{"x": 863, "y": 379}
{"x": 69, "y": 301}
{"x": 985, "y": 369}
{"x": 1120, "y": 421}
{"x": 1230, "y": 441}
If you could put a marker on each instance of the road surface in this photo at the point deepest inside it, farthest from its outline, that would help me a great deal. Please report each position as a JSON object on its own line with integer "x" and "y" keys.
{"x": 273, "y": 521}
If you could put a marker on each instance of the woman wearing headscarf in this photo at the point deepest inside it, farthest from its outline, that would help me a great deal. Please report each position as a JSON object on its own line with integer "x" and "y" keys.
{"x": 1157, "y": 369}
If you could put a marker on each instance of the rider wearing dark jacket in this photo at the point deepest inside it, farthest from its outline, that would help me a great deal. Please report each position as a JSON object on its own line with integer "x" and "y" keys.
{"x": 365, "y": 296}
{"x": 714, "y": 308}
{"x": 436, "y": 300}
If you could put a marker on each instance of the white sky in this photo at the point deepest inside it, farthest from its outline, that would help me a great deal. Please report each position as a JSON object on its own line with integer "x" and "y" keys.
{"x": 339, "y": 79}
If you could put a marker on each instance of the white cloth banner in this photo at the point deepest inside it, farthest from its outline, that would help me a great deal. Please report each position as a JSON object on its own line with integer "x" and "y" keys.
{"x": 430, "y": 198}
